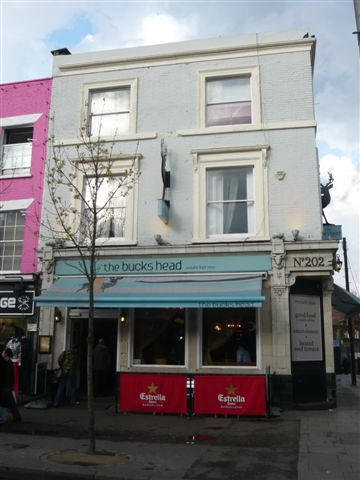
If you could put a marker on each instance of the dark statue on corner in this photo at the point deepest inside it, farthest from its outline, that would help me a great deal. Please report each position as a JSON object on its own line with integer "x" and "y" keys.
{"x": 325, "y": 195}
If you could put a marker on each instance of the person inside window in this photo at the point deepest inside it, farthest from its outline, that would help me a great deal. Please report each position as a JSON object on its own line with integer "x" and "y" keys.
{"x": 242, "y": 355}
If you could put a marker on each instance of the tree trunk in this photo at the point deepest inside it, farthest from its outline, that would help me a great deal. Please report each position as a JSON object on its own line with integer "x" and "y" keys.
{"x": 90, "y": 382}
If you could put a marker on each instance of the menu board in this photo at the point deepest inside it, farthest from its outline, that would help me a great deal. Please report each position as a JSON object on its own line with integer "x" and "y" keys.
{"x": 306, "y": 335}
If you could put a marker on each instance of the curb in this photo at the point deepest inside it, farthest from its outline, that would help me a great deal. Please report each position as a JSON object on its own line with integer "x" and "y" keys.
{"x": 16, "y": 473}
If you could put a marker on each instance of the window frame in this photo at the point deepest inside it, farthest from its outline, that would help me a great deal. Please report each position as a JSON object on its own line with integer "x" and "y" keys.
{"x": 250, "y": 71}
{"x": 88, "y": 88}
{"x": 201, "y": 365}
{"x": 254, "y": 157}
{"x": 7, "y": 211}
{"x": 19, "y": 171}
{"x": 131, "y": 340}
{"x": 120, "y": 165}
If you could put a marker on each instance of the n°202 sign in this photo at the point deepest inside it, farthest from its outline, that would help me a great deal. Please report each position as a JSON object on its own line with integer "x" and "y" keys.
{"x": 10, "y": 304}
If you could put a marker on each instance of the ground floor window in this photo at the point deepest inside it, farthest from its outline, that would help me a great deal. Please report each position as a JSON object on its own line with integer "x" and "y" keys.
{"x": 229, "y": 337}
{"x": 159, "y": 336}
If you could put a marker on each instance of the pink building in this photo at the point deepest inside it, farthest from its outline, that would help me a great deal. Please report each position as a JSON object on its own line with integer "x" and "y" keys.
{"x": 24, "y": 118}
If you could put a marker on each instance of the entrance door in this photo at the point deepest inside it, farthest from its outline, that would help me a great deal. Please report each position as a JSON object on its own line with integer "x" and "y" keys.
{"x": 307, "y": 345}
{"x": 105, "y": 328}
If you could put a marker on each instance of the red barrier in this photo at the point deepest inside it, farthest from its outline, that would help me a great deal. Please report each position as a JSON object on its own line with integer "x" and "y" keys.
{"x": 230, "y": 395}
{"x": 153, "y": 393}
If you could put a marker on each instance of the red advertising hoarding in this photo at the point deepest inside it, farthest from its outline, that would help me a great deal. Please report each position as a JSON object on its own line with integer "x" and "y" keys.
{"x": 153, "y": 393}
{"x": 230, "y": 395}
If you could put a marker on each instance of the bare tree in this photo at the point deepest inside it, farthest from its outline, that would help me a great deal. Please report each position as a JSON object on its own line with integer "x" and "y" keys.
{"x": 87, "y": 188}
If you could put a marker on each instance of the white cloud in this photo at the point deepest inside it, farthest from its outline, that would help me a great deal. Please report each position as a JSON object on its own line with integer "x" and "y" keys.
{"x": 147, "y": 30}
{"x": 338, "y": 117}
{"x": 344, "y": 207}
{"x": 24, "y": 29}
{"x": 346, "y": 190}
{"x": 164, "y": 28}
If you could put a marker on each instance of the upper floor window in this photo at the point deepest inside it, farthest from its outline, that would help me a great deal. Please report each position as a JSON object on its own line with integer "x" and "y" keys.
{"x": 230, "y": 195}
{"x": 230, "y": 200}
{"x": 110, "y": 108}
{"x": 110, "y": 112}
{"x": 228, "y": 101}
{"x": 12, "y": 225}
{"x": 16, "y": 151}
{"x": 110, "y": 206}
{"x": 111, "y": 198}
{"x": 229, "y": 97}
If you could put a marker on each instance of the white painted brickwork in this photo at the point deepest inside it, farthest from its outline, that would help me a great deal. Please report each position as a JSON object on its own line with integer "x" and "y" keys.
{"x": 167, "y": 104}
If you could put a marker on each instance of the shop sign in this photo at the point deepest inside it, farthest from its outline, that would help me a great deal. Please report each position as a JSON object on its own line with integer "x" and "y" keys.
{"x": 230, "y": 395}
{"x": 306, "y": 337}
{"x": 152, "y": 393}
{"x": 312, "y": 261}
{"x": 170, "y": 265}
{"x": 12, "y": 305}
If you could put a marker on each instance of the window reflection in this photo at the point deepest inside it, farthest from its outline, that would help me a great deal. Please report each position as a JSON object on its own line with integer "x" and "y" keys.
{"x": 159, "y": 336}
{"x": 229, "y": 337}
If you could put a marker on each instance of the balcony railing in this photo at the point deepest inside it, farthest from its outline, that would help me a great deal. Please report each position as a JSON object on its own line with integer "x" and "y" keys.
{"x": 16, "y": 159}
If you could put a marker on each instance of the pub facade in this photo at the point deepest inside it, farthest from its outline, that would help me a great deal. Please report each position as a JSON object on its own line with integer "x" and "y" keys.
{"x": 216, "y": 279}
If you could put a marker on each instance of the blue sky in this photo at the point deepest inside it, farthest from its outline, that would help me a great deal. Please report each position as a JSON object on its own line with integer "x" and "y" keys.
{"x": 30, "y": 29}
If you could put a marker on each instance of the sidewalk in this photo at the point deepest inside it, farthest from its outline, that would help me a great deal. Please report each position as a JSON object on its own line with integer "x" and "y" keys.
{"x": 300, "y": 445}
{"x": 329, "y": 444}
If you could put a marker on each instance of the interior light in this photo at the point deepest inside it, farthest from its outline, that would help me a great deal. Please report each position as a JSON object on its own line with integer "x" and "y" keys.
{"x": 57, "y": 316}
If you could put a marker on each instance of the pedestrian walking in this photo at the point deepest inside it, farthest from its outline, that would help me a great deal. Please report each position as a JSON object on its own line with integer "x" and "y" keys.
{"x": 7, "y": 395}
{"x": 67, "y": 383}
{"x": 102, "y": 361}
{"x": 346, "y": 365}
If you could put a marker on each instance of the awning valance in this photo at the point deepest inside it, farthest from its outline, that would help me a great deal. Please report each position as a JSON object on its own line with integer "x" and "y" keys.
{"x": 191, "y": 291}
{"x": 344, "y": 301}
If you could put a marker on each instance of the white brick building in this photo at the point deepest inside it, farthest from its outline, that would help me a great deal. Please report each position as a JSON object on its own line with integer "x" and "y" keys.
{"x": 237, "y": 117}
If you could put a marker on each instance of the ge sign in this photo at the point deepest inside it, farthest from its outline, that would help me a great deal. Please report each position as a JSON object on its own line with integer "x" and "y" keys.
{"x": 12, "y": 305}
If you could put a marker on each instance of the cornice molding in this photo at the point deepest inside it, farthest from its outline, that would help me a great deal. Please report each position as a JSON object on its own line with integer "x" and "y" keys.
{"x": 73, "y": 67}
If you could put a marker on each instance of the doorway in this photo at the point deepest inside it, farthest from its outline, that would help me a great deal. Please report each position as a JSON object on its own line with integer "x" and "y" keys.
{"x": 105, "y": 328}
{"x": 307, "y": 342}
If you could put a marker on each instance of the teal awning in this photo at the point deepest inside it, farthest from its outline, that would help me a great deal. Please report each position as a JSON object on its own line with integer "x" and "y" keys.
{"x": 344, "y": 301}
{"x": 192, "y": 291}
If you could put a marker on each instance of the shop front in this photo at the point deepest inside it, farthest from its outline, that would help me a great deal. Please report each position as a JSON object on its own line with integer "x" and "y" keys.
{"x": 206, "y": 333}
{"x": 18, "y": 326}
{"x": 188, "y": 329}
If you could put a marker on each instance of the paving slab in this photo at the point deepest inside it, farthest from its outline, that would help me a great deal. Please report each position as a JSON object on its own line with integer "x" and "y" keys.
{"x": 300, "y": 445}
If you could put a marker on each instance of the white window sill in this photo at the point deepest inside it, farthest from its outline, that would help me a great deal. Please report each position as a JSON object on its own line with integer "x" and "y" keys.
{"x": 115, "y": 242}
{"x": 10, "y": 272}
{"x": 231, "y": 238}
{"x": 119, "y": 138}
{"x": 156, "y": 365}
{"x": 245, "y": 128}
{"x": 12, "y": 177}
{"x": 205, "y": 368}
